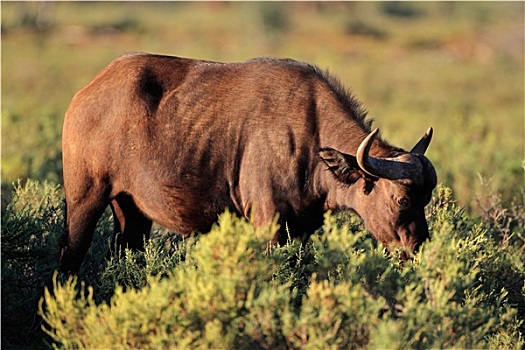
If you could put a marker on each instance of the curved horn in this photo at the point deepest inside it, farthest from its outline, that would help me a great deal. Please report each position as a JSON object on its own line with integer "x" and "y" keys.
{"x": 422, "y": 145}
{"x": 377, "y": 167}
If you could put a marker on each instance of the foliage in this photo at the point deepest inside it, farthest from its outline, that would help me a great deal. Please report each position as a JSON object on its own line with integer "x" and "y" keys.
{"x": 226, "y": 289}
{"x": 29, "y": 232}
{"x": 31, "y": 227}
{"x": 507, "y": 220}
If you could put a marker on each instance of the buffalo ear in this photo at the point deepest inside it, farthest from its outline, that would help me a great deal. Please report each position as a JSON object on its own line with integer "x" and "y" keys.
{"x": 343, "y": 166}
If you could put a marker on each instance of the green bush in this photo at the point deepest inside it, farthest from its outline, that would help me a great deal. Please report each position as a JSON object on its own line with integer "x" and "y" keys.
{"x": 32, "y": 224}
{"x": 226, "y": 289}
{"x": 340, "y": 290}
{"x": 29, "y": 227}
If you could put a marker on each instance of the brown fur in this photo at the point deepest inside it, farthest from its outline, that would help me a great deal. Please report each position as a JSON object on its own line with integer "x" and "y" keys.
{"x": 177, "y": 141}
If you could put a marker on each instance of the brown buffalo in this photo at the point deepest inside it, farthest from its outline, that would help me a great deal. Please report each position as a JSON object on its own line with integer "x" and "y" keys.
{"x": 177, "y": 141}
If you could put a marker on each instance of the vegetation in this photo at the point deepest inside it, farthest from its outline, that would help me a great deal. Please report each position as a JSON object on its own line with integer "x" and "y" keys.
{"x": 458, "y": 67}
{"x": 225, "y": 289}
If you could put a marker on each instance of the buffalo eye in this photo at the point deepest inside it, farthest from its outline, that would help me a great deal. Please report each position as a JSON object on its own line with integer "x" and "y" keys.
{"x": 403, "y": 202}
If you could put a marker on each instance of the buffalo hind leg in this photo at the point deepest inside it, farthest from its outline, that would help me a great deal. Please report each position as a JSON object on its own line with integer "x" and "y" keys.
{"x": 131, "y": 225}
{"x": 82, "y": 215}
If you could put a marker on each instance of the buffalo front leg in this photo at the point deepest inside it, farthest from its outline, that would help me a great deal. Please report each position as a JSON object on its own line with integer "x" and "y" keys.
{"x": 131, "y": 225}
{"x": 262, "y": 214}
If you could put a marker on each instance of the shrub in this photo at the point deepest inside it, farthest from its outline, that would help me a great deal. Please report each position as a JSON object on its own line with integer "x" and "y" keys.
{"x": 339, "y": 290}
{"x": 32, "y": 224}
{"x": 202, "y": 304}
{"x": 29, "y": 224}
{"x": 225, "y": 289}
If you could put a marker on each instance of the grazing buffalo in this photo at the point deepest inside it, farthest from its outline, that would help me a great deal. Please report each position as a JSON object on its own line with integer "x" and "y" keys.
{"x": 177, "y": 141}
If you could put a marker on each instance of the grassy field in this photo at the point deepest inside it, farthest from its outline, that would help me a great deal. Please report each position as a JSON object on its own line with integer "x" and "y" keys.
{"x": 458, "y": 67}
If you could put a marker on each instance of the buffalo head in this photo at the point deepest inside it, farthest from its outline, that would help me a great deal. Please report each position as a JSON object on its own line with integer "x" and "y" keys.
{"x": 388, "y": 193}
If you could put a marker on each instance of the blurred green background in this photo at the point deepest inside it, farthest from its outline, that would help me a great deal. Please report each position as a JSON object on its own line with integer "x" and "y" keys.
{"x": 456, "y": 66}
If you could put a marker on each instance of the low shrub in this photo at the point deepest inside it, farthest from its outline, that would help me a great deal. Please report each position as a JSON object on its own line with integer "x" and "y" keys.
{"x": 29, "y": 226}
{"x": 32, "y": 224}
{"x": 226, "y": 289}
{"x": 463, "y": 290}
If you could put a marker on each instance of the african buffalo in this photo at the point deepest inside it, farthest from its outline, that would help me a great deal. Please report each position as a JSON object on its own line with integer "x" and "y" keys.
{"x": 177, "y": 141}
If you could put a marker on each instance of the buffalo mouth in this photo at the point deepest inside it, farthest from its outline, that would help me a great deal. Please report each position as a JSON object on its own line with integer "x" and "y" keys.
{"x": 404, "y": 250}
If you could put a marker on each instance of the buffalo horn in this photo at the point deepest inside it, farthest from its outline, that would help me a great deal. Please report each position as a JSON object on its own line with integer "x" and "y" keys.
{"x": 378, "y": 167}
{"x": 422, "y": 145}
